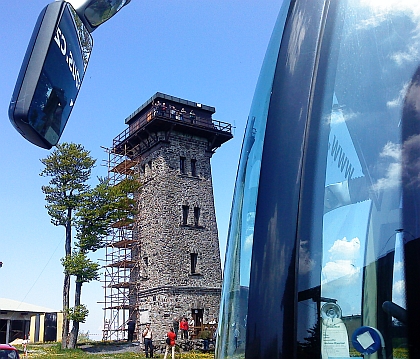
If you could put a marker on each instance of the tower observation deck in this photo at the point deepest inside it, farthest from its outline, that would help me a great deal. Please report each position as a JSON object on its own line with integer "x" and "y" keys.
{"x": 160, "y": 116}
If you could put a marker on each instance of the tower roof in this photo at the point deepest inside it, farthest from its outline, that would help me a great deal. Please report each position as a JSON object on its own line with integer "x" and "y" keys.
{"x": 168, "y": 114}
{"x": 159, "y": 96}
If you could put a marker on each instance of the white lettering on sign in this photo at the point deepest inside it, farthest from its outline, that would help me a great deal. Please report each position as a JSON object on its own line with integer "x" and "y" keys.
{"x": 61, "y": 42}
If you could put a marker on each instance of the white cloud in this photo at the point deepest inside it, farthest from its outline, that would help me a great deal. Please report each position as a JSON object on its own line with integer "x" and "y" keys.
{"x": 248, "y": 242}
{"x": 398, "y": 267}
{"x": 399, "y": 288}
{"x": 343, "y": 254}
{"x": 411, "y": 54}
{"x": 392, "y": 150}
{"x": 296, "y": 42}
{"x": 341, "y": 269}
{"x": 384, "y": 7}
{"x": 345, "y": 250}
{"x": 392, "y": 177}
{"x": 340, "y": 117}
{"x": 398, "y": 101}
{"x": 306, "y": 263}
{"x": 381, "y": 11}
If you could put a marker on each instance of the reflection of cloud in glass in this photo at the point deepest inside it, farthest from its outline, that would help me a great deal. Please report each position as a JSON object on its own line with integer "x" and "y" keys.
{"x": 381, "y": 11}
{"x": 411, "y": 7}
{"x": 343, "y": 254}
{"x": 346, "y": 290}
{"x": 306, "y": 263}
{"x": 342, "y": 269}
{"x": 412, "y": 100}
{"x": 392, "y": 177}
{"x": 398, "y": 293}
{"x": 248, "y": 242}
{"x": 410, "y": 55}
{"x": 398, "y": 268}
{"x": 341, "y": 116}
{"x": 399, "y": 287}
{"x": 343, "y": 249}
{"x": 295, "y": 43}
{"x": 399, "y": 100}
{"x": 411, "y": 151}
{"x": 249, "y": 236}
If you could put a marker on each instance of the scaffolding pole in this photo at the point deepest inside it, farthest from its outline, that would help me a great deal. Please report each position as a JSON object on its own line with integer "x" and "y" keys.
{"x": 119, "y": 265}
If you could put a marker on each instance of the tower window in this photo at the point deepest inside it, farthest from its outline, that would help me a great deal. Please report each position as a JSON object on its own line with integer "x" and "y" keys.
{"x": 196, "y": 216}
{"x": 194, "y": 258}
{"x": 194, "y": 168}
{"x": 182, "y": 165}
{"x": 185, "y": 211}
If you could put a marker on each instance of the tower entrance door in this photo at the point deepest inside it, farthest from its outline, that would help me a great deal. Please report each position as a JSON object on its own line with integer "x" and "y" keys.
{"x": 197, "y": 315}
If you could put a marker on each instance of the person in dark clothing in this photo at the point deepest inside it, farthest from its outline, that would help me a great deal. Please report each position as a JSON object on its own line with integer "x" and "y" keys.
{"x": 175, "y": 325}
{"x": 205, "y": 335}
{"x": 131, "y": 326}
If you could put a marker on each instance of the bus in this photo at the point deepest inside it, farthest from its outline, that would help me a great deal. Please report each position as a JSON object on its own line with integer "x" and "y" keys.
{"x": 323, "y": 250}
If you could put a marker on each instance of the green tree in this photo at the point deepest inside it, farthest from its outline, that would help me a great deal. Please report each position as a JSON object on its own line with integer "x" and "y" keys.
{"x": 101, "y": 207}
{"x": 92, "y": 211}
{"x": 69, "y": 167}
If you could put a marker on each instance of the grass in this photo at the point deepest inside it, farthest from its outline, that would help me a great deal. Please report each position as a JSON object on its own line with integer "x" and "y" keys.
{"x": 50, "y": 351}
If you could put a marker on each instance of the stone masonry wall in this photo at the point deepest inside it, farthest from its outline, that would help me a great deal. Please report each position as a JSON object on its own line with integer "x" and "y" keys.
{"x": 166, "y": 285}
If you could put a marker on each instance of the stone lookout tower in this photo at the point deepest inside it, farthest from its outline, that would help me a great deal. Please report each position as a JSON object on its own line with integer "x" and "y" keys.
{"x": 175, "y": 268}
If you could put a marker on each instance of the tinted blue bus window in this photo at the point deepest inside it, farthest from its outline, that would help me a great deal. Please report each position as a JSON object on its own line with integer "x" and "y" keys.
{"x": 323, "y": 253}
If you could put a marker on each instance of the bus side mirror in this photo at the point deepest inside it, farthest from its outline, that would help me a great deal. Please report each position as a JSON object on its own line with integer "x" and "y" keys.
{"x": 51, "y": 75}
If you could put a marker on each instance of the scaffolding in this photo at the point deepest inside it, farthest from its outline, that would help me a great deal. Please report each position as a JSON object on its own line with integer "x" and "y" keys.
{"x": 119, "y": 266}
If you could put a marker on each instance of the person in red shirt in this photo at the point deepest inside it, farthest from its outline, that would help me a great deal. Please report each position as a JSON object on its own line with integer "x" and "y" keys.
{"x": 183, "y": 325}
{"x": 170, "y": 343}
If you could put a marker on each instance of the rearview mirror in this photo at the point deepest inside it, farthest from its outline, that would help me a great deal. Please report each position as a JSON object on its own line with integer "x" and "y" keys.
{"x": 51, "y": 75}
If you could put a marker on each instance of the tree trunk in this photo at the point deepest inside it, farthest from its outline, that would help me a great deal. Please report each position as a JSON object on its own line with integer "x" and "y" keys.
{"x": 66, "y": 285}
{"x": 75, "y": 330}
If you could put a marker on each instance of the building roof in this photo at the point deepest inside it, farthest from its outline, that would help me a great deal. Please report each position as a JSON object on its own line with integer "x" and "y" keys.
{"x": 11, "y": 305}
{"x": 162, "y": 96}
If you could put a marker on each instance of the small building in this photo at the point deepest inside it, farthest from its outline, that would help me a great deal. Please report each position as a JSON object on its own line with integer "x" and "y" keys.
{"x": 19, "y": 319}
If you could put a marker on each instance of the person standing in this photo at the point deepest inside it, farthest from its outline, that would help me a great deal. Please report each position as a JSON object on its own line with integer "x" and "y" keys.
{"x": 170, "y": 343}
{"x": 191, "y": 325}
{"x": 131, "y": 326}
{"x": 148, "y": 341}
{"x": 205, "y": 335}
{"x": 175, "y": 324}
{"x": 184, "y": 328}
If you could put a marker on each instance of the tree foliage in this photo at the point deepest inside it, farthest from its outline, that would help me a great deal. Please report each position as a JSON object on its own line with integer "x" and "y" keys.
{"x": 78, "y": 313}
{"x": 80, "y": 266}
{"x": 103, "y": 206}
{"x": 71, "y": 202}
{"x": 69, "y": 167}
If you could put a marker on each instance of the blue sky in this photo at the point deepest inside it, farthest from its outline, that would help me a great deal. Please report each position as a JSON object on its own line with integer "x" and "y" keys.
{"x": 207, "y": 51}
